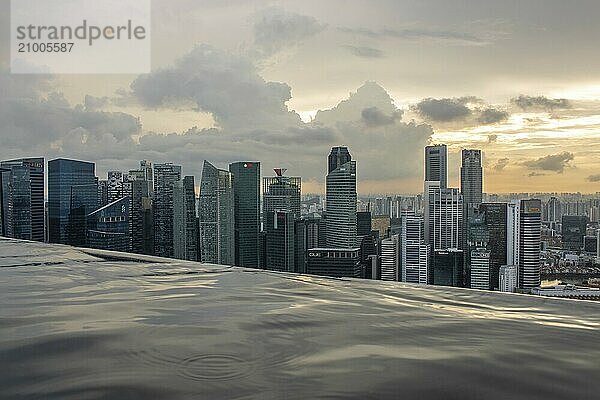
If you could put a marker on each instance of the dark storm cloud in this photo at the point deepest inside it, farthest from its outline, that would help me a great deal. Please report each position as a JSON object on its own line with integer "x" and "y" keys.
{"x": 594, "y": 178}
{"x": 553, "y": 162}
{"x": 447, "y": 36}
{"x": 492, "y": 115}
{"x": 365, "y": 51}
{"x": 540, "y": 103}
{"x": 374, "y": 117}
{"x": 276, "y": 29}
{"x": 443, "y": 110}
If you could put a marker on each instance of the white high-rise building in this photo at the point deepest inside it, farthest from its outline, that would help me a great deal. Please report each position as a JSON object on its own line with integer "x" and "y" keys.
{"x": 389, "y": 258}
{"x": 444, "y": 219}
{"x": 512, "y": 233}
{"x": 529, "y": 243}
{"x": 480, "y": 269}
{"x": 341, "y": 198}
{"x": 414, "y": 254}
{"x": 508, "y": 278}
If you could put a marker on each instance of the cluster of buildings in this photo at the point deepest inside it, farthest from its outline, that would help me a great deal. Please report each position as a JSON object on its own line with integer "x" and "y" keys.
{"x": 443, "y": 236}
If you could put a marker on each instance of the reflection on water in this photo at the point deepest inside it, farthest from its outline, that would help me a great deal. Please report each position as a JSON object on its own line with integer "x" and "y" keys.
{"x": 74, "y": 326}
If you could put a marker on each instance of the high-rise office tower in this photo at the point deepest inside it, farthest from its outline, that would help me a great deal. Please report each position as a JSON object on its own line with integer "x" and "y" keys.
{"x": 389, "y": 258}
{"x": 185, "y": 224}
{"x": 573, "y": 230}
{"x": 496, "y": 217}
{"x": 471, "y": 177}
{"x": 552, "y": 210}
{"x": 165, "y": 176}
{"x": 338, "y": 157}
{"x": 108, "y": 226}
{"x": 529, "y": 243}
{"x": 341, "y": 200}
{"x": 445, "y": 208}
{"x": 508, "y": 278}
{"x": 480, "y": 269}
{"x": 414, "y": 253}
{"x": 338, "y": 263}
{"x": 436, "y": 164}
{"x": 22, "y": 201}
{"x": 447, "y": 268}
{"x": 216, "y": 213}
{"x": 281, "y": 208}
{"x": 146, "y": 168}
{"x": 72, "y": 195}
{"x": 246, "y": 190}
{"x": 598, "y": 246}
{"x": 141, "y": 218}
{"x": 513, "y": 232}
{"x": 363, "y": 223}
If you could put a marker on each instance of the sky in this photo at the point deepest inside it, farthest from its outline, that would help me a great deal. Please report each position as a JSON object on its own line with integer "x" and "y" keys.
{"x": 282, "y": 82}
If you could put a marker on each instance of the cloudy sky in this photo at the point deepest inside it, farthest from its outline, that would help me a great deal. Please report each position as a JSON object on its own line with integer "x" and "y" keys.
{"x": 282, "y": 82}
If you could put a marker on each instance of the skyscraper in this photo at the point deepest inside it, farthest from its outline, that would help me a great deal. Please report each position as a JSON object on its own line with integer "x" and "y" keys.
{"x": 108, "y": 226}
{"x": 341, "y": 200}
{"x": 216, "y": 214}
{"x": 480, "y": 269}
{"x": 281, "y": 208}
{"x": 513, "y": 232}
{"x": 471, "y": 177}
{"x": 414, "y": 253}
{"x": 246, "y": 191}
{"x": 185, "y": 225}
{"x": 447, "y": 268}
{"x": 338, "y": 157}
{"x": 444, "y": 218}
{"x": 23, "y": 200}
{"x": 508, "y": 278}
{"x": 436, "y": 164}
{"x": 141, "y": 218}
{"x": 573, "y": 231}
{"x": 529, "y": 243}
{"x": 165, "y": 176}
{"x": 389, "y": 258}
{"x": 72, "y": 195}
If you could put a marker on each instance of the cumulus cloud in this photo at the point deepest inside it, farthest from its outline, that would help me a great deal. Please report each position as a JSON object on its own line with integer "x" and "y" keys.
{"x": 594, "y": 178}
{"x": 553, "y": 162}
{"x": 527, "y": 103}
{"x": 374, "y": 117}
{"x": 365, "y": 51}
{"x": 276, "y": 29}
{"x": 227, "y": 86}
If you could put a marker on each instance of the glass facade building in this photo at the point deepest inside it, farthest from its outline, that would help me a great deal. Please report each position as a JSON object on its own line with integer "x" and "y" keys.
{"x": 246, "y": 190}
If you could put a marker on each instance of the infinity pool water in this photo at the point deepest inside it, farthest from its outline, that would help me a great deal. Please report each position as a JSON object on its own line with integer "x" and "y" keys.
{"x": 98, "y": 325}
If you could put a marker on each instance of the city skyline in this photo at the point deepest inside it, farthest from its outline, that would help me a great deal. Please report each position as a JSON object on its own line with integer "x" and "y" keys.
{"x": 314, "y": 78}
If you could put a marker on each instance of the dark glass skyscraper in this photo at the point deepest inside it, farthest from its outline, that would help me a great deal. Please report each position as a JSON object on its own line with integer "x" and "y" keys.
{"x": 216, "y": 213}
{"x": 72, "y": 195}
{"x": 338, "y": 157}
{"x": 165, "y": 176}
{"x": 281, "y": 207}
{"x": 108, "y": 227}
{"x": 246, "y": 189}
{"x": 23, "y": 198}
{"x": 185, "y": 224}
{"x": 436, "y": 164}
{"x": 573, "y": 231}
